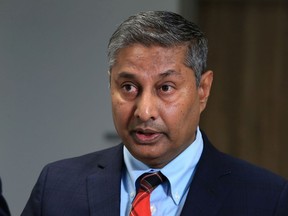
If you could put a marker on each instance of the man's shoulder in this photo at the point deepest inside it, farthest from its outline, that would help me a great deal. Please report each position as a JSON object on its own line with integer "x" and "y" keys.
{"x": 251, "y": 173}
{"x": 241, "y": 170}
{"x": 88, "y": 161}
{"x": 241, "y": 187}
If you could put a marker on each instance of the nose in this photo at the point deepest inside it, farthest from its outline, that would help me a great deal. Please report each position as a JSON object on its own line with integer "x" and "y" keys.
{"x": 146, "y": 107}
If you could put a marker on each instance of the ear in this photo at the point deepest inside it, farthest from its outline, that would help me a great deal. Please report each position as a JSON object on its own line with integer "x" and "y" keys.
{"x": 109, "y": 74}
{"x": 204, "y": 88}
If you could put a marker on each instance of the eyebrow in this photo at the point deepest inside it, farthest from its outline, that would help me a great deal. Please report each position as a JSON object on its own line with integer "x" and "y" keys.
{"x": 167, "y": 73}
{"x": 126, "y": 75}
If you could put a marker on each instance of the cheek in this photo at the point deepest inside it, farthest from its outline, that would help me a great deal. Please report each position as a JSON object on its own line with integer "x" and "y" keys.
{"x": 117, "y": 108}
{"x": 173, "y": 116}
{"x": 182, "y": 115}
{"x": 121, "y": 112}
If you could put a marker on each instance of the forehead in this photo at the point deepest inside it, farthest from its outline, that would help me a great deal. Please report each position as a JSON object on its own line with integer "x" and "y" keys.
{"x": 138, "y": 55}
{"x": 151, "y": 49}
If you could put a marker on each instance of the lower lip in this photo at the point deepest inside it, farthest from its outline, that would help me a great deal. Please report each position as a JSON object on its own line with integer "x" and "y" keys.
{"x": 147, "y": 138}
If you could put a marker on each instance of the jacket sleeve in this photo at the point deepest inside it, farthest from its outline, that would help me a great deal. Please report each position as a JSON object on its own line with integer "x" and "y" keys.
{"x": 34, "y": 204}
{"x": 4, "y": 210}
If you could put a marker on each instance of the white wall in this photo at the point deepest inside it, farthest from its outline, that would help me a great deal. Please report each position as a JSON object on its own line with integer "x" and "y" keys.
{"x": 54, "y": 98}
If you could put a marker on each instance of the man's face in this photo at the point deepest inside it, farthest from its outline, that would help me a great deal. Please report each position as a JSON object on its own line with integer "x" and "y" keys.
{"x": 156, "y": 104}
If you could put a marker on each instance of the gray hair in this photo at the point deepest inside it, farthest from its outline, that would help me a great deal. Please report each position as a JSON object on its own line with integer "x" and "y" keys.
{"x": 162, "y": 28}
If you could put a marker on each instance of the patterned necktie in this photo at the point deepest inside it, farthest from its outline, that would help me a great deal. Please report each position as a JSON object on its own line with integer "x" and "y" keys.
{"x": 141, "y": 203}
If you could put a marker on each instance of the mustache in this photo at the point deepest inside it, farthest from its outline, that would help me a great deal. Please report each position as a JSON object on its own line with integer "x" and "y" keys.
{"x": 149, "y": 125}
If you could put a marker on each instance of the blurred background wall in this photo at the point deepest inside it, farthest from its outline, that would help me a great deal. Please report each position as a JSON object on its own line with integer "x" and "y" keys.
{"x": 54, "y": 97}
{"x": 247, "y": 113}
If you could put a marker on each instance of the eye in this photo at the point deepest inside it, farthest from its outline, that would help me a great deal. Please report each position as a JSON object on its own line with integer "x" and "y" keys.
{"x": 166, "y": 88}
{"x": 129, "y": 88}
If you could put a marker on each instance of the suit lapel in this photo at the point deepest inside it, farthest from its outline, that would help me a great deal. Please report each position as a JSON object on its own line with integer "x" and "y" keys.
{"x": 210, "y": 184}
{"x": 208, "y": 189}
{"x": 103, "y": 185}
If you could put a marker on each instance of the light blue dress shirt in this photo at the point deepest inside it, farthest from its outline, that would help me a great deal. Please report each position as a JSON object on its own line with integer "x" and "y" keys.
{"x": 168, "y": 198}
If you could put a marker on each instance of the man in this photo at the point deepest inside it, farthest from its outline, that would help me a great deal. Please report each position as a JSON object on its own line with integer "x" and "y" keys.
{"x": 159, "y": 86}
{"x": 4, "y": 210}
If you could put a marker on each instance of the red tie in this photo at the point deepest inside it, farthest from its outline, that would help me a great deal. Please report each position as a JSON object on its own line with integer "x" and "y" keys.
{"x": 141, "y": 203}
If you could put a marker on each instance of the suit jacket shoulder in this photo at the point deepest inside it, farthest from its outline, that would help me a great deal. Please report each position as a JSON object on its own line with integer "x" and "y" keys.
{"x": 224, "y": 185}
{"x": 89, "y": 162}
{"x": 78, "y": 186}
{"x": 4, "y": 210}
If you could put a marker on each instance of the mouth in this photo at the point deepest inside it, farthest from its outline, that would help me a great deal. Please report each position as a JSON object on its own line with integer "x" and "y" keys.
{"x": 146, "y": 136}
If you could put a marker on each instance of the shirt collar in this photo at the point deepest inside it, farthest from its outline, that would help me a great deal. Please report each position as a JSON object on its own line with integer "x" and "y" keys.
{"x": 179, "y": 171}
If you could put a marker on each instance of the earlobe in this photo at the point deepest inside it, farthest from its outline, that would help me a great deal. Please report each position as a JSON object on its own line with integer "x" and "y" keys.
{"x": 204, "y": 88}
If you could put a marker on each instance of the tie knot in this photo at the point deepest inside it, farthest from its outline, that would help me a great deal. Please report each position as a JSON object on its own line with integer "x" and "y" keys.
{"x": 149, "y": 181}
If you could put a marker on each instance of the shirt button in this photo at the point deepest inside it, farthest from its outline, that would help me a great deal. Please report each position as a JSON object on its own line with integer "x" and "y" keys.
{"x": 177, "y": 196}
{"x": 153, "y": 209}
{"x": 132, "y": 194}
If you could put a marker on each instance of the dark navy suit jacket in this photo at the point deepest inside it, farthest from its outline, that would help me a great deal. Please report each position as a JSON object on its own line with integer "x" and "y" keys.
{"x": 222, "y": 186}
{"x": 4, "y": 210}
